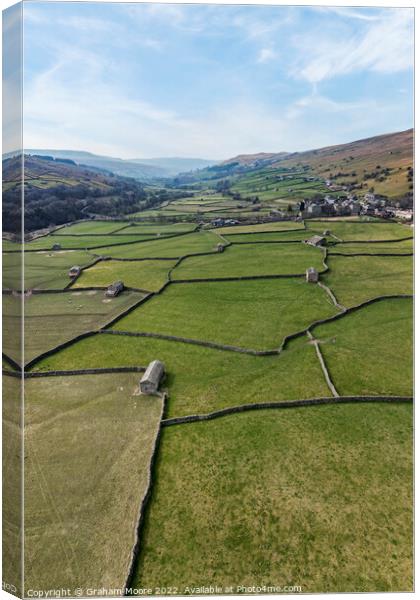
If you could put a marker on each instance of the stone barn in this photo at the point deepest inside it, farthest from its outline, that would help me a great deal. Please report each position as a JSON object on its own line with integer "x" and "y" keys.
{"x": 149, "y": 383}
{"x": 56, "y": 247}
{"x": 220, "y": 247}
{"x": 312, "y": 275}
{"x": 114, "y": 289}
{"x": 316, "y": 240}
{"x": 74, "y": 271}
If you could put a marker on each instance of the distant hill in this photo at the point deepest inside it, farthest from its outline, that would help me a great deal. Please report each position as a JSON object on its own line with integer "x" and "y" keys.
{"x": 143, "y": 169}
{"x": 58, "y": 191}
{"x": 382, "y": 163}
{"x": 175, "y": 165}
{"x": 124, "y": 168}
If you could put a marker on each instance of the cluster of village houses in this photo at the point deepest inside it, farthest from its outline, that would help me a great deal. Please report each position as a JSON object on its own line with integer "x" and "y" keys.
{"x": 347, "y": 205}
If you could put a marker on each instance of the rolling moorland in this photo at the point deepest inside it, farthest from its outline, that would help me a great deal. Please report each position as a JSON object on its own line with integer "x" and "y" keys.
{"x": 279, "y": 451}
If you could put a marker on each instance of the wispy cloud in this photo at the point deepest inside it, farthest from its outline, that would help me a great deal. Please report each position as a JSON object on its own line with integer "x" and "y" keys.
{"x": 384, "y": 46}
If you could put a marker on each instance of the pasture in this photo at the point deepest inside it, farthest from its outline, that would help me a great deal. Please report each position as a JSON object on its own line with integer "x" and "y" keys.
{"x": 202, "y": 380}
{"x": 89, "y": 227}
{"x": 51, "y": 319}
{"x": 252, "y": 260}
{"x": 83, "y": 241}
{"x": 319, "y": 497}
{"x": 404, "y": 247}
{"x": 260, "y": 228}
{"x": 88, "y": 441}
{"x": 171, "y": 247}
{"x": 362, "y": 231}
{"x": 369, "y": 351}
{"x": 249, "y": 314}
{"x": 355, "y": 279}
{"x": 145, "y": 274}
{"x": 12, "y": 477}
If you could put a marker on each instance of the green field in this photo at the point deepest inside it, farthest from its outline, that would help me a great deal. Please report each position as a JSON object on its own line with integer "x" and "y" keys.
{"x": 83, "y": 241}
{"x": 355, "y": 279}
{"x": 261, "y": 228}
{"x": 88, "y": 444}
{"x": 271, "y": 236}
{"x": 145, "y": 274}
{"x": 193, "y": 243}
{"x": 202, "y": 380}
{"x": 353, "y": 231}
{"x": 319, "y": 498}
{"x": 404, "y": 247}
{"x": 252, "y": 260}
{"x": 43, "y": 270}
{"x": 154, "y": 229}
{"x": 369, "y": 352}
{"x": 248, "y": 314}
{"x": 51, "y": 319}
{"x": 88, "y": 227}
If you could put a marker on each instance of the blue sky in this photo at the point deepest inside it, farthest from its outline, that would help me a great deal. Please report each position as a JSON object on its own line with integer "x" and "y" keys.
{"x": 134, "y": 80}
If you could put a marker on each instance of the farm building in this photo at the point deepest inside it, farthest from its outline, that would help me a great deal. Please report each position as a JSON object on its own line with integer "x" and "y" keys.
{"x": 311, "y": 275}
{"x": 326, "y": 232}
{"x": 149, "y": 383}
{"x": 114, "y": 289}
{"x": 316, "y": 240}
{"x": 220, "y": 247}
{"x": 74, "y": 271}
{"x": 56, "y": 247}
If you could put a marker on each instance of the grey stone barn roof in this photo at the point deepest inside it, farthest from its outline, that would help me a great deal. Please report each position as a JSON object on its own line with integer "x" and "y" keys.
{"x": 154, "y": 372}
{"x": 316, "y": 240}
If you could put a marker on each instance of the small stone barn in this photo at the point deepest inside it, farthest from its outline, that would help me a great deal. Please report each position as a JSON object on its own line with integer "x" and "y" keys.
{"x": 114, "y": 289}
{"x": 312, "y": 275}
{"x": 316, "y": 240}
{"x": 74, "y": 271}
{"x": 220, "y": 247}
{"x": 149, "y": 383}
{"x": 56, "y": 247}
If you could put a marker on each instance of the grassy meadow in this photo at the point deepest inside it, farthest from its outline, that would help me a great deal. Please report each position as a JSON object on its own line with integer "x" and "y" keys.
{"x": 255, "y": 314}
{"x": 355, "y": 279}
{"x": 202, "y": 380}
{"x": 146, "y": 274}
{"x": 51, "y": 319}
{"x": 319, "y": 497}
{"x": 369, "y": 352}
{"x": 252, "y": 260}
{"x": 89, "y": 441}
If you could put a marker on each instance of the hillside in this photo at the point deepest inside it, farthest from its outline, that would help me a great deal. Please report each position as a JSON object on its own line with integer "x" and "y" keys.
{"x": 381, "y": 164}
{"x": 57, "y": 192}
{"x": 124, "y": 168}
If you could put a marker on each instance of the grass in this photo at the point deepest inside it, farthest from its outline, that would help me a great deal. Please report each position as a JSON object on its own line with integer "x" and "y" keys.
{"x": 150, "y": 229}
{"x": 248, "y": 314}
{"x": 145, "y": 274}
{"x": 260, "y": 228}
{"x": 369, "y": 352}
{"x": 202, "y": 380}
{"x": 356, "y": 279}
{"x": 350, "y": 230}
{"x": 88, "y": 443}
{"x": 248, "y": 259}
{"x": 272, "y": 236}
{"x": 12, "y": 478}
{"x": 192, "y": 243}
{"x": 82, "y": 241}
{"x": 385, "y": 248}
{"x": 92, "y": 227}
{"x": 319, "y": 497}
{"x": 52, "y": 319}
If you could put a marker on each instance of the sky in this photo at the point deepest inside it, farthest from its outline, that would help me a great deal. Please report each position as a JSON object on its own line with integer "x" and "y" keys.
{"x": 150, "y": 80}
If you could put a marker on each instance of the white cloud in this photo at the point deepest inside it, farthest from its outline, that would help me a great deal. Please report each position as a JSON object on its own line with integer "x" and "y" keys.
{"x": 384, "y": 46}
{"x": 266, "y": 55}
